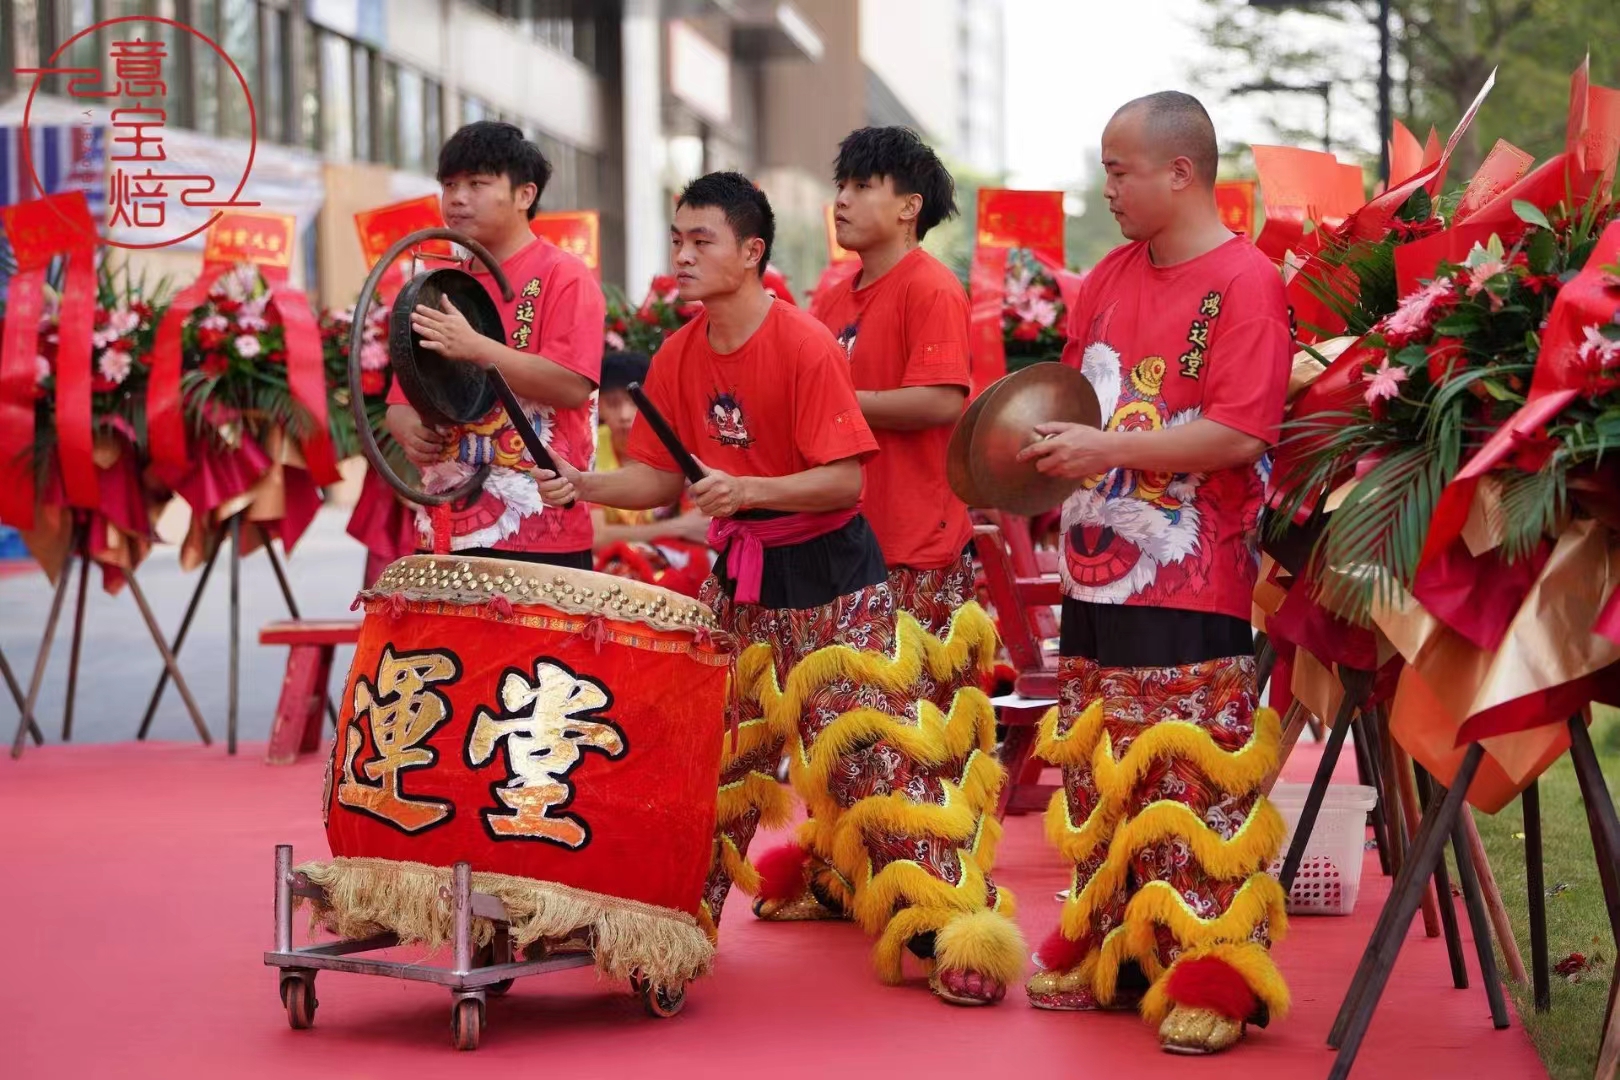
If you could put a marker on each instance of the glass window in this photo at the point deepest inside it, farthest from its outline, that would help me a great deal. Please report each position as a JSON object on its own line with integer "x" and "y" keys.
{"x": 411, "y": 121}
{"x": 473, "y": 110}
{"x": 387, "y": 134}
{"x": 337, "y": 99}
{"x": 272, "y": 100}
{"x": 205, "y": 66}
{"x": 306, "y": 48}
{"x": 433, "y": 131}
{"x": 238, "y": 21}
{"x": 364, "y": 144}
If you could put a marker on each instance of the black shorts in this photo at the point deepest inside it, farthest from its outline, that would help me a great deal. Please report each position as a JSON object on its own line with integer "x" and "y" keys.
{"x": 1122, "y": 636}
{"x": 818, "y": 571}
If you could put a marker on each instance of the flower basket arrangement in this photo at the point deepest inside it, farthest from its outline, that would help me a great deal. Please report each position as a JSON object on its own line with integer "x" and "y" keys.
{"x": 1449, "y": 459}
{"x": 1032, "y": 312}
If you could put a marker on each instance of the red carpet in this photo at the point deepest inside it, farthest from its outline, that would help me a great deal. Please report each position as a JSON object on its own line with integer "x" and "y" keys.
{"x": 138, "y": 903}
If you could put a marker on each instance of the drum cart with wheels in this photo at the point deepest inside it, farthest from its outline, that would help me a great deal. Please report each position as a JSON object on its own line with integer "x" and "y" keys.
{"x": 471, "y": 978}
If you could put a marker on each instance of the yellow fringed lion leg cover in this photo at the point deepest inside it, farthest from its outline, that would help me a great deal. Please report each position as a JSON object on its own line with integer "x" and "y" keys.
{"x": 895, "y": 760}
{"x": 1161, "y": 815}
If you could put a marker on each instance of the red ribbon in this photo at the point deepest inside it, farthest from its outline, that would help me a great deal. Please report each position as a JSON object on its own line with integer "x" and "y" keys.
{"x": 18, "y": 348}
{"x": 165, "y": 415}
{"x": 987, "y": 285}
{"x": 306, "y": 372}
{"x": 75, "y": 437}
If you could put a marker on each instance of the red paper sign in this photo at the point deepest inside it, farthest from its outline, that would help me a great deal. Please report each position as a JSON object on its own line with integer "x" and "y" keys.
{"x": 1503, "y": 167}
{"x": 381, "y": 226}
{"x": 241, "y": 236}
{"x": 1022, "y": 219}
{"x": 41, "y": 229}
{"x": 1406, "y": 153}
{"x": 836, "y": 252}
{"x": 1235, "y": 201}
{"x": 578, "y": 232}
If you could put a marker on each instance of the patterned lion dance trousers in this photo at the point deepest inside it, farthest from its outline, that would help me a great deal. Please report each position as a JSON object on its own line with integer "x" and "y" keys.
{"x": 1163, "y": 752}
{"x": 891, "y": 742}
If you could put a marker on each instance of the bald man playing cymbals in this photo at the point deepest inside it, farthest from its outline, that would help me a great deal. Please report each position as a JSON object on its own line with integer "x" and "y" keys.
{"x": 1183, "y": 332}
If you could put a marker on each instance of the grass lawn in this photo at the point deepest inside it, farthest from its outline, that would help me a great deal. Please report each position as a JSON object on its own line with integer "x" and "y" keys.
{"x": 1577, "y": 922}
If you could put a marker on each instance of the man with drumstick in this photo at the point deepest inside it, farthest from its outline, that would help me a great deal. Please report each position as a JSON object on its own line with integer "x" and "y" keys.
{"x": 491, "y": 179}
{"x": 1183, "y": 332}
{"x": 761, "y": 393}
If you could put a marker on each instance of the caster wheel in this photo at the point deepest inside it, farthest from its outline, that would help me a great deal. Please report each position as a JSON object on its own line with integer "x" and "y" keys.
{"x": 485, "y": 958}
{"x": 298, "y": 995}
{"x": 466, "y": 1023}
{"x": 662, "y": 1001}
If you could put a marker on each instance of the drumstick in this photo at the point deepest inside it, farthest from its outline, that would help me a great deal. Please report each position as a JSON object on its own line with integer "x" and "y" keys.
{"x": 520, "y": 423}
{"x": 666, "y": 435}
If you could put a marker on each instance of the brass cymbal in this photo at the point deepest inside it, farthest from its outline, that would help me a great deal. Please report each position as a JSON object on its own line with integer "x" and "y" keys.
{"x": 1002, "y": 422}
{"x": 957, "y": 471}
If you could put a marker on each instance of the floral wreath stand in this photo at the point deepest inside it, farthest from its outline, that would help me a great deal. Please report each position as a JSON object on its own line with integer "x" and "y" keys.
{"x": 1443, "y": 818}
{"x": 222, "y": 534}
{"x": 79, "y": 552}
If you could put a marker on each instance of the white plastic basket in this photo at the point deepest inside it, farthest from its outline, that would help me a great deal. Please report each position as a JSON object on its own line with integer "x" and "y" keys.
{"x": 1330, "y": 874}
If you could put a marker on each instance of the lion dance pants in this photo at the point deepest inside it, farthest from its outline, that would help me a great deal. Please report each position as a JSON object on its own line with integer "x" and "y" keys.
{"x": 1162, "y": 818}
{"x": 891, "y": 742}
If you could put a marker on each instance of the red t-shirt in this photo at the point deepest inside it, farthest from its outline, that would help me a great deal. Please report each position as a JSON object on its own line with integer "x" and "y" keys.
{"x": 908, "y": 328}
{"x": 779, "y": 405}
{"x": 1164, "y": 346}
{"x": 557, "y": 312}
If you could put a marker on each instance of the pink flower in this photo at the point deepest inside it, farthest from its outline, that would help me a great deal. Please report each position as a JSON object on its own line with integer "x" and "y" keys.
{"x": 1417, "y": 310}
{"x": 1385, "y": 382}
{"x": 614, "y": 341}
{"x": 42, "y": 370}
{"x": 1479, "y": 276}
{"x": 123, "y": 320}
{"x": 1598, "y": 351}
{"x": 247, "y": 346}
{"x": 373, "y": 356}
{"x": 214, "y": 321}
{"x": 114, "y": 365}
{"x": 251, "y": 322}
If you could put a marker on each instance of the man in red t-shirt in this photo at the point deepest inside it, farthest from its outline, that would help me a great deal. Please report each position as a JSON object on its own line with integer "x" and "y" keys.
{"x": 490, "y": 180}
{"x": 903, "y": 321}
{"x": 760, "y": 393}
{"x": 1184, "y": 335}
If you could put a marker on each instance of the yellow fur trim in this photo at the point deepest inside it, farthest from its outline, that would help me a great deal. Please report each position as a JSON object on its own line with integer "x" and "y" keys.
{"x": 888, "y": 954}
{"x": 1235, "y": 772}
{"x": 1158, "y": 904}
{"x": 1074, "y": 746}
{"x": 1249, "y": 959}
{"x": 984, "y": 942}
{"x": 1253, "y": 846}
{"x": 365, "y": 896}
{"x": 756, "y": 791}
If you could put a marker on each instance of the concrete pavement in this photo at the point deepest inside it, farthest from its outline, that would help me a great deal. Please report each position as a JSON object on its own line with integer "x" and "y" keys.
{"x": 120, "y": 666}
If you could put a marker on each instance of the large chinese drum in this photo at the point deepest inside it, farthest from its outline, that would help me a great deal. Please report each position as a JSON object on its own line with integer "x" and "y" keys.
{"x": 558, "y": 729}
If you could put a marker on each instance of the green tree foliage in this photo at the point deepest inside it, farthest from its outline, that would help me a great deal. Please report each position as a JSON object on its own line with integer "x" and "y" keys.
{"x": 1444, "y": 50}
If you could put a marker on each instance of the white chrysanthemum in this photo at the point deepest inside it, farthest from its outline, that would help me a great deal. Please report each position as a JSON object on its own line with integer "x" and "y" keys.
{"x": 247, "y": 346}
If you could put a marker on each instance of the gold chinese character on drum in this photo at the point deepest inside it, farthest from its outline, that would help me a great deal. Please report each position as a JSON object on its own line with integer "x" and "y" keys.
{"x": 557, "y": 729}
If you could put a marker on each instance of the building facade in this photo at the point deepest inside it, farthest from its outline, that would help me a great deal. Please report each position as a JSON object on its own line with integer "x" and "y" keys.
{"x": 351, "y": 99}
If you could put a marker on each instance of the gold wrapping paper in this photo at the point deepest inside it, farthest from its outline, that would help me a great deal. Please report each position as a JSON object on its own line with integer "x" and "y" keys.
{"x": 1549, "y": 642}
